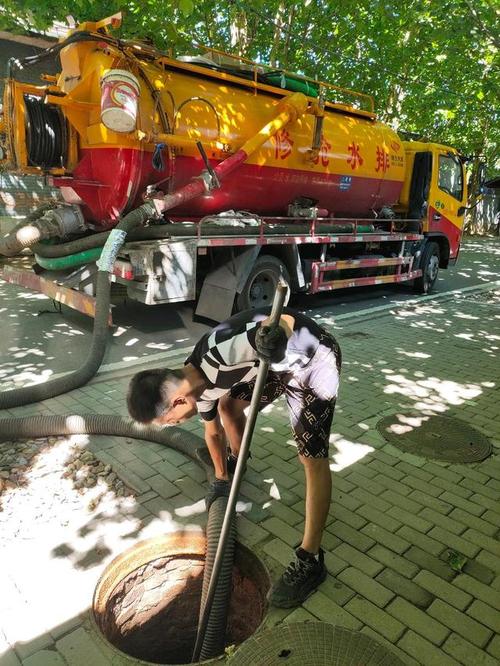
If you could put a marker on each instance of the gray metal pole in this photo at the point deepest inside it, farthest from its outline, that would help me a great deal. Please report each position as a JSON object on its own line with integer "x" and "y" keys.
{"x": 279, "y": 299}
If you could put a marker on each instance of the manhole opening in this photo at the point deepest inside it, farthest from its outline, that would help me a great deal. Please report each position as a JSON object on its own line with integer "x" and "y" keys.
{"x": 147, "y": 601}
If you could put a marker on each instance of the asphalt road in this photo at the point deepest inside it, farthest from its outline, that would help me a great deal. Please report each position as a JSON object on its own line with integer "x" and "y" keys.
{"x": 38, "y": 341}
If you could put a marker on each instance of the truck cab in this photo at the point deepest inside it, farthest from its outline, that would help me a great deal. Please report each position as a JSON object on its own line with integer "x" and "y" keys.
{"x": 435, "y": 192}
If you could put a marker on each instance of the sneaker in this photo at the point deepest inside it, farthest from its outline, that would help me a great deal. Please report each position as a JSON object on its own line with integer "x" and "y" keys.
{"x": 299, "y": 580}
{"x": 231, "y": 463}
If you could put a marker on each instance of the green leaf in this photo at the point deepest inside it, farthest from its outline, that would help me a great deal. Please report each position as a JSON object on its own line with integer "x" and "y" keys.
{"x": 186, "y": 7}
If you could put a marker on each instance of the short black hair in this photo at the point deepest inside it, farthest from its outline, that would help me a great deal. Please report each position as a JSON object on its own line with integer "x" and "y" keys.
{"x": 149, "y": 392}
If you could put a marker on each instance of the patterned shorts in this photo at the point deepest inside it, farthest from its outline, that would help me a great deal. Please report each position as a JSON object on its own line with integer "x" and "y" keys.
{"x": 310, "y": 394}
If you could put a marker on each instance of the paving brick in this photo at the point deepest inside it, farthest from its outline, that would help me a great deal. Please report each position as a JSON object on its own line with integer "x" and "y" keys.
{"x": 279, "y": 550}
{"x": 338, "y": 512}
{"x": 454, "y": 542}
{"x": 485, "y": 614}
{"x": 43, "y": 658}
{"x": 283, "y": 531}
{"x": 379, "y": 518}
{"x": 364, "y": 469}
{"x": 163, "y": 487}
{"x": 390, "y": 647}
{"x": 279, "y": 510}
{"x": 476, "y": 523}
{"x": 405, "y": 588}
{"x": 376, "y": 618}
{"x": 489, "y": 560}
{"x": 251, "y": 534}
{"x": 485, "y": 502}
{"x": 424, "y": 651}
{"x": 412, "y": 470}
{"x": 446, "y": 522}
{"x": 440, "y": 588}
{"x": 418, "y": 620}
{"x": 443, "y": 472}
{"x": 366, "y": 586}
{"x": 343, "y": 485}
{"x": 478, "y": 590}
{"x": 479, "y": 487}
{"x": 479, "y": 571}
{"x": 431, "y": 502}
{"x": 389, "y": 470}
{"x": 492, "y": 517}
{"x": 147, "y": 455}
{"x": 387, "y": 539}
{"x": 362, "y": 482}
{"x": 344, "y": 532}
{"x": 410, "y": 519}
{"x": 466, "y": 653}
{"x": 79, "y": 649}
{"x": 459, "y": 622}
{"x": 327, "y": 610}
{"x": 358, "y": 559}
{"x": 192, "y": 489}
{"x": 390, "y": 484}
{"x": 130, "y": 479}
{"x": 8, "y": 657}
{"x": 452, "y": 487}
{"x": 468, "y": 505}
{"x": 365, "y": 497}
{"x": 401, "y": 501}
{"x": 142, "y": 469}
{"x": 396, "y": 562}
{"x": 494, "y": 647}
{"x": 347, "y": 501}
{"x": 422, "y": 540}
{"x": 335, "y": 590}
{"x": 483, "y": 541}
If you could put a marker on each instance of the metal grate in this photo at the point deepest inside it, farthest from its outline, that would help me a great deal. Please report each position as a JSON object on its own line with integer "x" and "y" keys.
{"x": 313, "y": 644}
{"x": 436, "y": 437}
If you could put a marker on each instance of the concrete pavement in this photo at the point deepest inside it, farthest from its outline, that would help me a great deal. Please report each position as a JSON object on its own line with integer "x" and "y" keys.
{"x": 394, "y": 517}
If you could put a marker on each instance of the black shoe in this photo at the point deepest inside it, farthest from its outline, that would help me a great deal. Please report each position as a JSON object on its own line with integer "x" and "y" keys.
{"x": 231, "y": 463}
{"x": 299, "y": 580}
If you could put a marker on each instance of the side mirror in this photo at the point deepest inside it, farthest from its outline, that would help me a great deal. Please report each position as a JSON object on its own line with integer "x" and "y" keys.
{"x": 461, "y": 211}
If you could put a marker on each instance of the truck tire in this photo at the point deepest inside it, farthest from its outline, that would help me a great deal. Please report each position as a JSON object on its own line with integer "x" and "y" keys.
{"x": 261, "y": 283}
{"x": 429, "y": 265}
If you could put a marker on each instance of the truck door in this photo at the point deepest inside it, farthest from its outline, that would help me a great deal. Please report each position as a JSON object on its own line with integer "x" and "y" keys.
{"x": 448, "y": 194}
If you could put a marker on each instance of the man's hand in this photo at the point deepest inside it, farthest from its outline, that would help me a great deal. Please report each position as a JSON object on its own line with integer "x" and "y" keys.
{"x": 219, "y": 488}
{"x": 271, "y": 344}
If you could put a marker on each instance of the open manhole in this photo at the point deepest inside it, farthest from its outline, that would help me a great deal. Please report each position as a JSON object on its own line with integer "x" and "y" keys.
{"x": 436, "y": 437}
{"x": 313, "y": 644}
{"x": 147, "y": 602}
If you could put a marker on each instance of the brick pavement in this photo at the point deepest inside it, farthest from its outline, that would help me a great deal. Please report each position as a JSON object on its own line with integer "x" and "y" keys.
{"x": 393, "y": 520}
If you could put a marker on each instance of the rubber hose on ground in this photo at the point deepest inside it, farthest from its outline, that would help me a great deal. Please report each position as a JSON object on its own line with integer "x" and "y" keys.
{"x": 215, "y": 634}
{"x": 182, "y": 441}
{"x": 82, "y": 375}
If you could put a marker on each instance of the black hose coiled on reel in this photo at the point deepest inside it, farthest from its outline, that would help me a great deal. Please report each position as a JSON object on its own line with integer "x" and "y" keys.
{"x": 46, "y": 134}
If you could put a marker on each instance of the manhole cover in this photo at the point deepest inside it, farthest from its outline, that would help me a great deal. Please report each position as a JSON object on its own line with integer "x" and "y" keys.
{"x": 147, "y": 601}
{"x": 313, "y": 644}
{"x": 436, "y": 437}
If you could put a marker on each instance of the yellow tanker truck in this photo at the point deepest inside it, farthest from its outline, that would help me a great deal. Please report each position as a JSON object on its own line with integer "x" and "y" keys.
{"x": 251, "y": 173}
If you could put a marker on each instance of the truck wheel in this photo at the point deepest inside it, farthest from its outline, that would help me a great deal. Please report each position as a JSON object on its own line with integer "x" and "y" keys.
{"x": 261, "y": 283}
{"x": 430, "y": 268}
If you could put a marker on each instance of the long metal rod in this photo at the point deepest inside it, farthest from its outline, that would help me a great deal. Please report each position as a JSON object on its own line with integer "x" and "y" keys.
{"x": 279, "y": 299}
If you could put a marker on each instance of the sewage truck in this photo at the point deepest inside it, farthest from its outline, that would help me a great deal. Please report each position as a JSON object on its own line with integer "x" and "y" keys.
{"x": 250, "y": 173}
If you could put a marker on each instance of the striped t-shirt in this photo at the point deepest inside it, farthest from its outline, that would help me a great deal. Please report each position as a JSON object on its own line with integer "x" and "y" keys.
{"x": 227, "y": 355}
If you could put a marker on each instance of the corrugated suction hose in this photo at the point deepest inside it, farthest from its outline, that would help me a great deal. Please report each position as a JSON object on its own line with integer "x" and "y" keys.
{"x": 178, "y": 439}
{"x": 82, "y": 375}
{"x": 215, "y": 634}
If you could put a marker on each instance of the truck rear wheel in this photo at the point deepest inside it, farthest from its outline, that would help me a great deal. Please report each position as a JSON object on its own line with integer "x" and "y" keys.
{"x": 430, "y": 268}
{"x": 261, "y": 283}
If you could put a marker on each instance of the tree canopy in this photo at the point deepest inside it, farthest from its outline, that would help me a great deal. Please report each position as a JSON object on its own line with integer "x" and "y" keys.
{"x": 431, "y": 65}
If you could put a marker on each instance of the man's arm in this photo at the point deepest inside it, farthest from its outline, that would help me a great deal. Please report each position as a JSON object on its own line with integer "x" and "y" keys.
{"x": 216, "y": 443}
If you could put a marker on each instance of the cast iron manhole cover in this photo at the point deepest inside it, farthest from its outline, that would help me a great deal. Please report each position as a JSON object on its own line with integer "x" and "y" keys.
{"x": 312, "y": 644}
{"x": 436, "y": 437}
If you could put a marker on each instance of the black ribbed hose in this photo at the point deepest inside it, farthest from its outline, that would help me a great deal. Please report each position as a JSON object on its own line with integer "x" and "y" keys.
{"x": 82, "y": 375}
{"x": 215, "y": 634}
{"x": 182, "y": 441}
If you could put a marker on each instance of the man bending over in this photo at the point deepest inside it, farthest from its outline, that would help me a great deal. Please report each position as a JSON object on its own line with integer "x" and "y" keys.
{"x": 217, "y": 381}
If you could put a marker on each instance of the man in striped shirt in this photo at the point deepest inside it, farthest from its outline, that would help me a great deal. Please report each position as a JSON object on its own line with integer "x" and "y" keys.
{"x": 217, "y": 381}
